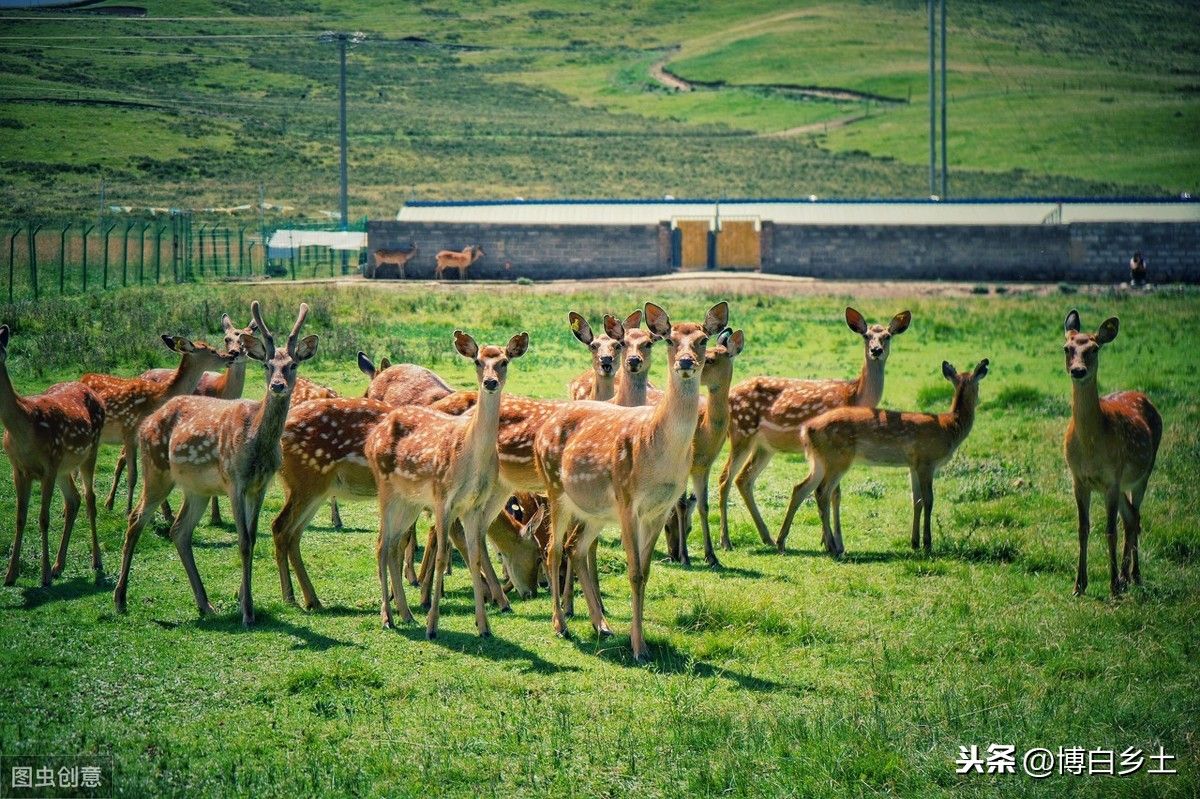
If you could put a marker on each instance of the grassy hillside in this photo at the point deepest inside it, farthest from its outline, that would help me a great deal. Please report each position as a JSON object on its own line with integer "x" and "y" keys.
{"x": 205, "y": 100}
{"x": 777, "y": 675}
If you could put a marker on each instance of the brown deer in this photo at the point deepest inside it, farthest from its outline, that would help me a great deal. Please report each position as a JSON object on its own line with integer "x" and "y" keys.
{"x": 422, "y": 458}
{"x": 1111, "y": 445}
{"x": 767, "y": 414}
{"x": 451, "y": 259}
{"x": 599, "y": 383}
{"x": 711, "y": 430}
{"x": 402, "y": 383}
{"x": 920, "y": 441}
{"x": 211, "y": 446}
{"x": 128, "y": 401}
{"x": 603, "y": 463}
{"x": 48, "y": 437}
{"x": 396, "y": 258}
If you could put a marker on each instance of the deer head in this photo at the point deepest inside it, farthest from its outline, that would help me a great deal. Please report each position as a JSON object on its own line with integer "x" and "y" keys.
{"x": 1083, "y": 349}
{"x": 491, "y": 362}
{"x": 529, "y": 529}
{"x": 233, "y": 338}
{"x": 5, "y": 334}
{"x": 687, "y": 342}
{"x": 877, "y": 338}
{"x": 635, "y": 342}
{"x": 966, "y": 384}
{"x": 718, "y": 360}
{"x": 605, "y": 349}
{"x": 280, "y": 365}
{"x": 199, "y": 351}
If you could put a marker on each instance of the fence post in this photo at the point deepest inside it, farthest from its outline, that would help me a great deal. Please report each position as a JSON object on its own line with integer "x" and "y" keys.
{"x": 12, "y": 254}
{"x": 200, "y": 242}
{"x": 107, "y": 232}
{"x": 250, "y": 257}
{"x": 88, "y": 229}
{"x": 213, "y": 252}
{"x": 142, "y": 252}
{"x": 158, "y": 231}
{"x": 125, "y": 254}
{"x": 62, "y": 259}
{"x": 33, "y": 280}
{"x": 241, "y": 250}
{"x": 228, "y": 257}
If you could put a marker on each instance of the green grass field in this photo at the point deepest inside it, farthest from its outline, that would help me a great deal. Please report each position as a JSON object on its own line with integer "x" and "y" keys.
{"x": 548, "y": 99}
{"x": 777, "y": 675}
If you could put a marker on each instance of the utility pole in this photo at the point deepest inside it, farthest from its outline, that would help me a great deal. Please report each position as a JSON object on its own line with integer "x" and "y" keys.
{"x": 343, "y": 40}
{"x": 945, "y": 163}
{"x": 932, "y": 103}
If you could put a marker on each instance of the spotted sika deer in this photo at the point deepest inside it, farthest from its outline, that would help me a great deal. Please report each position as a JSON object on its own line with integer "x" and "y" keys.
{"x": 599, "y": 383}
{"x": 48, "y": 437}
{"x": 402, "y": 383}
{"x": 210, "y": 446}
{"x": 422, "y": 458}
{"x": 128, "y": 401}
{"x": 920, "y": 441}
{"x": 1111, "y": 445}
{"x": 602, "y": 463}
{"x": 767, "y": 414}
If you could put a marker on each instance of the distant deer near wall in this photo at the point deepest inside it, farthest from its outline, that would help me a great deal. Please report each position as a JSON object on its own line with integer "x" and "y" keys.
{"x": 450, "y": 259}
{"x": 396, "y": 258}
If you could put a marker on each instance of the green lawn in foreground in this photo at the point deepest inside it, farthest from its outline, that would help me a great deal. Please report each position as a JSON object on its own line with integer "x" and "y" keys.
{"x": 777, "y": 675}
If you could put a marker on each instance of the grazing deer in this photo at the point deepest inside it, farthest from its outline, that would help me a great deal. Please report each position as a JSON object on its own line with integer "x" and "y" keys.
{"x": 422, "y": 458}
{"x": 211, "y": 446}
{"x": 396, "y": 258}
{"x": 711, "y": 429}
{"x": 402, "y": 383}
{"x": 128, "y": 401}
{"x": 767, "y": 414}
{"x": 450, "y": 259}
{"x": 602, "y": 463}
{"x": 1111, "y": 445}
{"x": 920, "y": 441}
{"x": 599, "y": 383}
{"x": 47, "y": 437}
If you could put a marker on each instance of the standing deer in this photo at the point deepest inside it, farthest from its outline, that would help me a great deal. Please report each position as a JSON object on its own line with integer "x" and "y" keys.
{"x": 128, "y": 401}
{"x": 451, "y": 259}
{"x": 711, "y": 429}
{"x": 603, "y": 463}
{"x": 211, "y": 446}
{"x": 920, "y": 441}
{"x": 1111, "y": 445}
{"x": 599, "y": 383}
{"x": 47, "y": 437}
{"x": 767, "y": 414}
{"x": 422, "y": 458}
{"x": 396, "y": 258}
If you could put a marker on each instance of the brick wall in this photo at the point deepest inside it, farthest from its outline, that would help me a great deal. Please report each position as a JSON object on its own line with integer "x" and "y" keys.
{"x": 540, "y": 252}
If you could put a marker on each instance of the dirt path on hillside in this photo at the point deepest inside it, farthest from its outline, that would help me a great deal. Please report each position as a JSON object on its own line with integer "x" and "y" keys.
{"x": 814, "y": 127}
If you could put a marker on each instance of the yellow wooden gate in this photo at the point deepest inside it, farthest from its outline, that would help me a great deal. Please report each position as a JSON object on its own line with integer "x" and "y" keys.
{"x": 738, "y": 245}
{"x": 693, "y": 244}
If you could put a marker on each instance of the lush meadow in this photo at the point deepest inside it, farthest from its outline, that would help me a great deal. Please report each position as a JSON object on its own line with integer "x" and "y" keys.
{"x": 775, "y": 675}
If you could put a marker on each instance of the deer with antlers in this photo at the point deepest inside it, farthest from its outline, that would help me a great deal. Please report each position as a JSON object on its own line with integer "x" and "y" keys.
{"x": 128, "y": 401}
{"x": 767, "y": 414}
{"x": 48, "y": 437}
{"x": 422, "y": 458}
{"x": 452, "y": 259}
{"x": 603, "y": 463}
{"x": 396, "y": 258}
{"x": 1111, "y": 445}
{"x": 920, "y": 441}
{"x": 210, "y": 446}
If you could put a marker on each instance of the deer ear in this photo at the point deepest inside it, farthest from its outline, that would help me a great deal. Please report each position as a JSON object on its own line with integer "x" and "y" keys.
{"x": 948, "y": 371}
{"x": 737, "y": 343}
{"x": 465, "y": 345}
{"x": 306, "y": 348}
{"x": 613, "y": 327}
{"x": 226, "y": 323}
{"x": 365, "y": 365}
{"x": 633, "y": 320}
{"x": 384, "y": 363}
{"x": 253, "y": 347}
{"x": 657, "y": 321}
{"x": 517, "y": 345}
{"x": 534, "y": 522}
{"x": 900, "y": 323}
{"x": 1108, "y": 330}
{"x": 981, "y": 371}
{"x": 717, "y": 318}
{"x": 179, "y": 344}
{"x": 1071, "y": 325}
{"x": 855, "y": 321}
{"x": 4, "y": 334}
{"x": 580, "y": 328}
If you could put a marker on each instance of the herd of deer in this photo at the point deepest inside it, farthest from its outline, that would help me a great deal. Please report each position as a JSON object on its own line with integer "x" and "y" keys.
{"x": 539, "y": 478}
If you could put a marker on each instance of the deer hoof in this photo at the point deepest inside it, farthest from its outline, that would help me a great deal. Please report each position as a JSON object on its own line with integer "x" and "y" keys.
{"x": 712, "y": 561}
{"x": 1080, "y": 589}
{"x": 431, "y": 634}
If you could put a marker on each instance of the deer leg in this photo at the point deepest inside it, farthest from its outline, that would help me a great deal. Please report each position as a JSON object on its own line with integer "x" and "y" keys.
{"x": 167, "y": 513}
{"x": 745, "y": 483}
{"x": 410, "y": 574}
{"x": 591, "y": 589}
{"x": 407, "y": 532}
{"x": 837, "y": 513}
{"x": 700, "y": 488}
{"x": 155, "y": 488}
{"x": 1135, "y": 501}
{"x": 1129, "y": 520}
{"x": 335, "y": 515}
{"x": 44, "y": 525}
{"x": 473, "y": 533}
{"x": 824, "y": 492}
{"x": 1112, "y": 503}
{"x": 683, "y": 523}
{"x": 917, "y": 500}
{"x": 927, "y": 508}
{"x": 441, "y": 518}
{"x": 122, "y": 459}
{"x": 1083, "y": 497}
{"x": 131, "y": 448}
{"x": 23, "y": 484}
{"x": 559, "y": 521}
{"x": 66, "y": 484}
{"x": 816, "y": 473}
{"x": 428, "y": 562}
{"x": 87, "y": 473}
{"x": 214, "y": 516}
{"x": 181, "y": 533}
{"x": 246, "y": 510}
{"x": 286, "y": 530}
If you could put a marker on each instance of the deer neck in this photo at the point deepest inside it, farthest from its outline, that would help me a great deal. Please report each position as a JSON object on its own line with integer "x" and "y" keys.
{"x": 12, "y": 409}
{"x": 715, "y": 415}
{"x": 233, "y": 381}
{"x": 673, "y": 423}
{"x": 268, "y": 424}
{"x": 631, "y": 388}
{"x": 603, "y": 387}
{"x": 961, "y": 415}
{"x": 868, "y": 390}
{"x": 483, "y": 428}
{"x": 186, "y": 378}
{"x": 1085, "y": 408}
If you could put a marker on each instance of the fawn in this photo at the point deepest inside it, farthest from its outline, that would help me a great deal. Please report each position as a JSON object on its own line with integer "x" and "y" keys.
{"x": 1111, "y": 445}
{"x": 48, "y": 437}
{"x": 920, "y": 441}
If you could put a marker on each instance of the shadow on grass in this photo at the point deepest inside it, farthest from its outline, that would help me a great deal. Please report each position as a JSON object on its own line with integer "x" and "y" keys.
{"x": 852, "y": 556}
{"x": 494, "y": 648}
{"x": 74, "y": 588}
{"x": 264, "y": 622}
{"x": 699, "y": 566}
